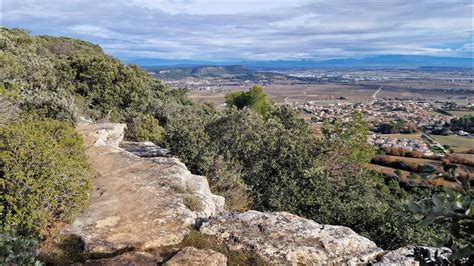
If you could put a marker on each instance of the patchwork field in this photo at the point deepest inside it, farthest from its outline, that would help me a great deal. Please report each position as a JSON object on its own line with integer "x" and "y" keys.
{"x": 324, "y": 93}
{"x": 404, "y": 176}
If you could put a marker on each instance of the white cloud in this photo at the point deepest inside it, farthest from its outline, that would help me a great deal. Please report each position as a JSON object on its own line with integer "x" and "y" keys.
{"x": 259, "y": 29}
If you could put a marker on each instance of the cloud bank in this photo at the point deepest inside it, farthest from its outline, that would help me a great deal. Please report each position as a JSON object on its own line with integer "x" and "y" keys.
{"x": 216, "y": 30}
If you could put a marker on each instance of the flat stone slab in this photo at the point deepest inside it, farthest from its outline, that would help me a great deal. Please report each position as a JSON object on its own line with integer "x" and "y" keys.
{"x": 144, "y": 149}
{"x": 134, "y": 204}
{"x": 287, "y": 239}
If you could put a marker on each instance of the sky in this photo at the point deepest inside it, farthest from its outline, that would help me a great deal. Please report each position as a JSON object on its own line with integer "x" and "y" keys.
{"x": 218, "y": 30}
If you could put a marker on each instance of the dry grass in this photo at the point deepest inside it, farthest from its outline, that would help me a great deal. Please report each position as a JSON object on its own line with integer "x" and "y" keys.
{"x": 456, "y": 143}
{"x": 193, "y": 202}
{"x": 461, "y": 113}
{"x": 198, "y": 240}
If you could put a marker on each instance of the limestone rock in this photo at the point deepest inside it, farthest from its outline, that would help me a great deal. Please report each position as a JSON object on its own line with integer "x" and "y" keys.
{"x": 200, "y": 257}
{"x": 134, "y": 204}
{"x": 129, "y": 258}
{"x": 108, "y": 134}
{"x": 144, "y": 149}
{"x": 283, "y": 238}
{"x": 404, "y": 256}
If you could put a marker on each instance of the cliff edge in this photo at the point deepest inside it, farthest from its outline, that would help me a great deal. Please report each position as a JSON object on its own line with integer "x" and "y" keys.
{"x": 142, "y": 205}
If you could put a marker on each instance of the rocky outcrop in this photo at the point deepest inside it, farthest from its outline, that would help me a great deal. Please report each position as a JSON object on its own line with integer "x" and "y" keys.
{"x": 197, "y": 257}
{"x": 140, "y": 206}
{"x": 405, "y": 256}
{"x": 144, "y": 149}
{"x": 283, "y": 238}
{"x": 137, "y": 203}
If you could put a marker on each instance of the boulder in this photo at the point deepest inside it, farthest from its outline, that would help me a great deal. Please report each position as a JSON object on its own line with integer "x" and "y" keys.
{"x": 135, "y": 203}
{"x": 405, "y": 256}
{"x": 283, "y": 238}
{"x": 190, "y": 256}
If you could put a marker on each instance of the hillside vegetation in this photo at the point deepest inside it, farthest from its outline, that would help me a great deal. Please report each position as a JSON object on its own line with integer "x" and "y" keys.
{"x": 255, "y": 154}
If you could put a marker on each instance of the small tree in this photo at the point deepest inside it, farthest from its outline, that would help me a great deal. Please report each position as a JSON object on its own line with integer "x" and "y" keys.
{"x": 145, "y": 127}
{"x": 254, "y": 99}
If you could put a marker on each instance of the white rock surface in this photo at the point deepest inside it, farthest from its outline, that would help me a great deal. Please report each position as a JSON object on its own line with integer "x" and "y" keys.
{"x": 133, "y": 203}
{"x": 283, "y": 238}
{"x": 144, "y": 149}
{"x": 190, "y": 256}
{"x": 404, "y": 256}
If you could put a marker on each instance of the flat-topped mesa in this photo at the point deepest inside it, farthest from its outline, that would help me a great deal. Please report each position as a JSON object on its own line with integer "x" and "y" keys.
{"x": 137, "y": 203}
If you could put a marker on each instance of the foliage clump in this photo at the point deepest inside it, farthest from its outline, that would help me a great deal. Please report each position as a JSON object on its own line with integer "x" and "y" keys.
{"x": 145, "y": 128}
{"x": 254, "y": 99}
{"x": 45, "y": 177}
{"x": 17, "y": 250}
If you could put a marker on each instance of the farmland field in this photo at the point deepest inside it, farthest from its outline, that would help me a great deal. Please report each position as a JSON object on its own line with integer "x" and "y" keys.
{"x": 461, "y": 113}
{"x": 456, "y": 143}
{"x": 297, "y": 93}
{"x": 404, "y": 176}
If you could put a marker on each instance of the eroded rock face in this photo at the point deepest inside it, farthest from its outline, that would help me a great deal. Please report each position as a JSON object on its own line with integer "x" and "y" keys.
{"x": 283, "y": 238}
{"x": 190, "y": 256}
{"x": 405, "y": 256}
{"x": 144, "y": 149}
{"x": 135, "y": 203}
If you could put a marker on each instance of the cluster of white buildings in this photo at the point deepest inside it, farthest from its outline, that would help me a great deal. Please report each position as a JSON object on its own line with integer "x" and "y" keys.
{"x": 407, "y": 145}
{"x": 380, "y": 112}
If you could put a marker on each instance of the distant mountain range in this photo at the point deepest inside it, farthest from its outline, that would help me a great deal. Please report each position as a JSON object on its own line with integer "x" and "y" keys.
{"x": 383, "y": 61}
{"x": 180, "y": 72}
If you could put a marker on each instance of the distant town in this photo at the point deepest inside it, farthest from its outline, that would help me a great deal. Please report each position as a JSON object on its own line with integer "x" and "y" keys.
{"x": 421, "y": 120}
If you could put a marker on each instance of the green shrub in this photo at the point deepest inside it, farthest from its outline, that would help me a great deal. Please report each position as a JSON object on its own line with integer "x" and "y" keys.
{"x": 254, "y": 99}
{"x": 145, "y": 128}
{"x": 17, "y": 250}
{"x": 225, "y": 180}
{"x": 45, "y": 177}
{"x": 185, "y": 136}
{"x": 48, "y": 104}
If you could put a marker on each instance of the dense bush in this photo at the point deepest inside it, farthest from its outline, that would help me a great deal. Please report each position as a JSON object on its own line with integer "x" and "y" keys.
{"x": 145, "y": 128}
{"x": 465, "y": 123}
{"x": 254, "y": 99}
{"x": 17, "y": 250}
{"x": 224, "y": 179}
{"x": 45, "y": 178}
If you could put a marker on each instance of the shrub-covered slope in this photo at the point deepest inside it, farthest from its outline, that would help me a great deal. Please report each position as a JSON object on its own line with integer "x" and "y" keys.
{"x": 255, "y": 154}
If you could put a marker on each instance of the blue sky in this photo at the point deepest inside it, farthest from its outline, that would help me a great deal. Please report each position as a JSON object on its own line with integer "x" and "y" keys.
{"x": 216, "y": 30}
